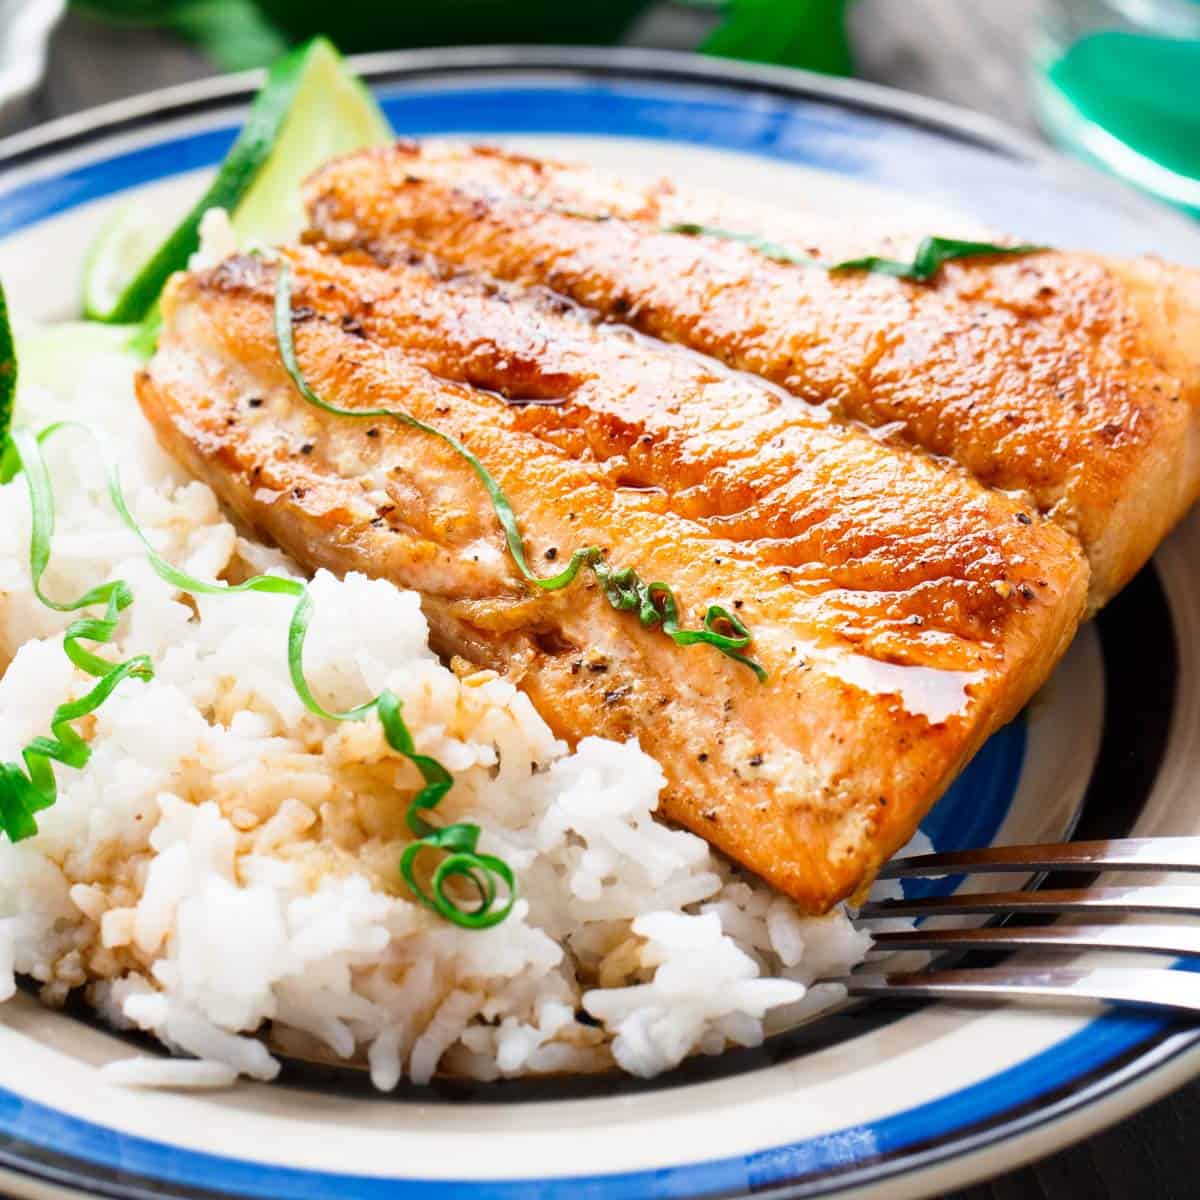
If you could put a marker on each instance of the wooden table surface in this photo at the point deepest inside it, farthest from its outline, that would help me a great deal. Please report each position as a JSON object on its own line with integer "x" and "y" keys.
{"x": 971, "y": 52}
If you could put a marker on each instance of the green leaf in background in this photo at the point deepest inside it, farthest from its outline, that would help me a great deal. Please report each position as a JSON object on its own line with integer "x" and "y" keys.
{"x": 234, "y": 33}
{"x": 242, "y": 33}
{"x": 361, "y": 25}
{"x": 793, "y": 33}
{"x": 252, "y": 33}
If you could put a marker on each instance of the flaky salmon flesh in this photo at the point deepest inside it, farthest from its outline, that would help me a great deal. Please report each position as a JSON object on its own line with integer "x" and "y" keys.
{"x": 901, "y": 610}
{"x": 1069, "y": 379}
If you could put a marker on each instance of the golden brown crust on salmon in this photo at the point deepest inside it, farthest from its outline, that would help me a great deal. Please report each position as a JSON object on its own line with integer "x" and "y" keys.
{"x": 902, "y": 612}
{"x": 1065, "y": 377}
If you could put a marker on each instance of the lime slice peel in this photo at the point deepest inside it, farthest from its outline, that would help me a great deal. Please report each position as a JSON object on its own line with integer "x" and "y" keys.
{"x": 309, "y": 108}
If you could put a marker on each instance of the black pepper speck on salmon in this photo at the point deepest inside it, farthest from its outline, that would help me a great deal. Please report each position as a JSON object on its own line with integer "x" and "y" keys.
{"x": 704, "y": 478}
{"x": 1070, "y": 378}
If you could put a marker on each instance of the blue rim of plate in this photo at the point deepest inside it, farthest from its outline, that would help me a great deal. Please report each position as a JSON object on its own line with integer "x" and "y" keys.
{"x": 852, "y": 128}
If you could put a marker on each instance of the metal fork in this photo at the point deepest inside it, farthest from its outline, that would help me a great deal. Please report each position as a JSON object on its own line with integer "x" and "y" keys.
{"x": 1138, "y": 987}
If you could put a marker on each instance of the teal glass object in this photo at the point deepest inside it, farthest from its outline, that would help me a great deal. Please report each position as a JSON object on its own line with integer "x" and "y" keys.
{"x": 1118, "y": 83}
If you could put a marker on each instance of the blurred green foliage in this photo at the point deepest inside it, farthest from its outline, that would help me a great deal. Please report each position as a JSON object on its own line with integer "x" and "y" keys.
{"x": 793, "y": 33}
{"x": 250, "y": 33}
{"x": 234, "y": 33}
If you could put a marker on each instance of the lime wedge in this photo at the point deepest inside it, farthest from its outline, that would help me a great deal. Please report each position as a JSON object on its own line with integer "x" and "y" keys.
{"x": 309, "y": 108}
{"x": 124, "y": 244}
{"x": 332, "y": 114}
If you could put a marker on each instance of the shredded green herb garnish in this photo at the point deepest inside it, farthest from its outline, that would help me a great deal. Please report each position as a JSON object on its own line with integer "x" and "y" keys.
{"x": 26, "y": 792}
{"x": 766, "y": 247}
{"x": 654, "y": 603}
{"x": 931, "y": 255}
{"x": 504, "y": 512}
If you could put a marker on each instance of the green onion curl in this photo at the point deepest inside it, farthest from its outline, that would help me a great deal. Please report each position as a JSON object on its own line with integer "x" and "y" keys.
{"x": 29, "y": 787}
{"x": 504, "y": 511}
{"x": 22, "y": 793}
{"x": 655, "y": 604}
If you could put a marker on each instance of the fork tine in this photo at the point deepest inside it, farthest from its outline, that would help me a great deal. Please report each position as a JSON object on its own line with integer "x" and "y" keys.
{"x": 1118, "y": 854}
{"x": 1159, "y": 898}
{"x": 1181, "y": 941}
{"x": 1178, "y": 991}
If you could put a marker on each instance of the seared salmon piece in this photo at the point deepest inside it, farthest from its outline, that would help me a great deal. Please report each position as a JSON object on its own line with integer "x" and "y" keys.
{"x": 1070, "y": 379}
{"x": 901, "y": 611}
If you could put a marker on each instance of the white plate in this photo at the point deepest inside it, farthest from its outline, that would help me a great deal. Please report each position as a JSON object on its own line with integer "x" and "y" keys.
{"x": 868, "y": 1101}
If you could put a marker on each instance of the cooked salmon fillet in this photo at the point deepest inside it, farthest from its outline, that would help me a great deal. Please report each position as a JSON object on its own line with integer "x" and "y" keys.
{"x": 901, "y": 611}
{"x": 1071, "y": 379}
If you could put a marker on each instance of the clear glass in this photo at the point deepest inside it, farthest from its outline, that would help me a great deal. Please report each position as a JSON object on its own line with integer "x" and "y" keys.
{"x": 1118, "y": 82}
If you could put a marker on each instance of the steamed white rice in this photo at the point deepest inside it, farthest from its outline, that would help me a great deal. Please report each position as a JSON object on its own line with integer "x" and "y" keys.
{"x": 223, "y": 874}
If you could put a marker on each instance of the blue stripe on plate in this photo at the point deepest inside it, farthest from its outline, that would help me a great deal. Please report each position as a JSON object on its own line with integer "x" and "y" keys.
{"x": 55, "y": 194}
{"x": 802, "y": 132}
{"x": 1099, "y": 1043}
{"x": 795, "y": 131}
{"x": 976, "y": 803}
{"x": 768, "y": 126}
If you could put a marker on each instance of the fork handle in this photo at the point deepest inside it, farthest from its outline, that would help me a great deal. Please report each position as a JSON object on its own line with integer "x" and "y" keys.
{"x": 1115, "y": 854}
{"x": 1149, "y": 988}
{"x": 1117, "y": 900}
{"x": 1179, "y": 940}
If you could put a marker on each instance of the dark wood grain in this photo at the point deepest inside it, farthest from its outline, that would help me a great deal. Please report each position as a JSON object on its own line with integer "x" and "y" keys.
{"x": 970, "y": 52}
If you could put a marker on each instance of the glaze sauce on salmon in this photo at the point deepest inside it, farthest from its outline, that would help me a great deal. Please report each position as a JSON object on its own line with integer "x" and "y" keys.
{"x": 901, "y": 610}
{"x": 1068, "y": 378}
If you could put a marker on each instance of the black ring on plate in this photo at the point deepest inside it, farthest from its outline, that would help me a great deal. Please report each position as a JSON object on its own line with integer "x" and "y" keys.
{"x": 1138, "y": 645}
{"x": 1140, "y": 661}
